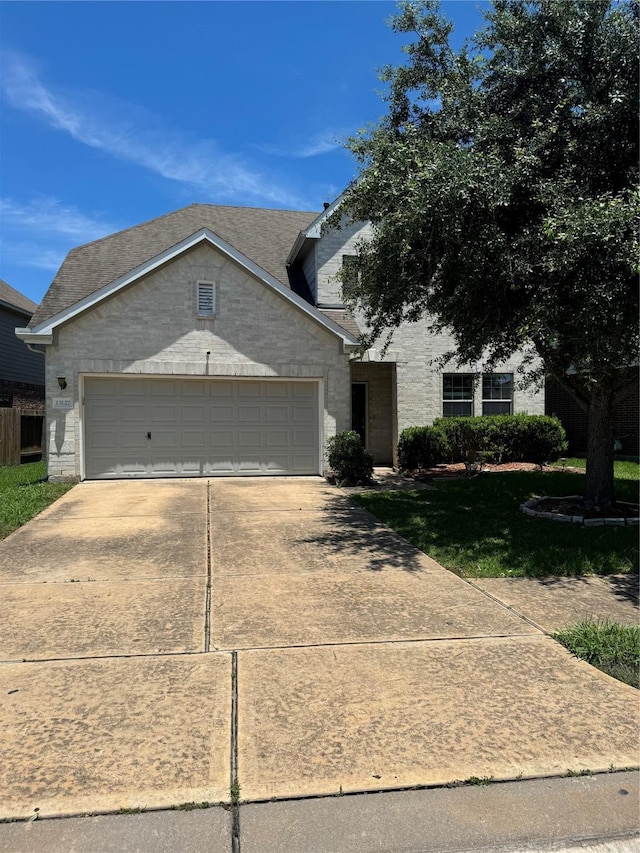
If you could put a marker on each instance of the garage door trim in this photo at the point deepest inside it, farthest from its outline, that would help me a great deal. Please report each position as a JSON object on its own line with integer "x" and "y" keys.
{"x": 318, "y": 381}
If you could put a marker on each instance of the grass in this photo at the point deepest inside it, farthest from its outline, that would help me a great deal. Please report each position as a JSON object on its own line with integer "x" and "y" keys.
{"x": 613, "y": 648}
{"x": 475, "y": 527}
{"x": 23, "y": 495}
{"x": 624, "y": 470}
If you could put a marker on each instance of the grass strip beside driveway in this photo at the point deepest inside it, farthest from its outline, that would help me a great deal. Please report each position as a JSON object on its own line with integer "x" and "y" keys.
{"x": 613, "y": 648}
{"x": 475, "y": 527}
{"x": 23, "y": 495}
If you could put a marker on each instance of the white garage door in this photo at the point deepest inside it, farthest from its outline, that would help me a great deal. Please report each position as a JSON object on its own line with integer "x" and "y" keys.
{"x": 199, "y": 427}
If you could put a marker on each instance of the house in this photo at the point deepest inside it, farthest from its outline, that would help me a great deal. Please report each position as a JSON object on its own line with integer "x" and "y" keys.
{"x": 21, "y": 370}
{"x": 215, "y": 341}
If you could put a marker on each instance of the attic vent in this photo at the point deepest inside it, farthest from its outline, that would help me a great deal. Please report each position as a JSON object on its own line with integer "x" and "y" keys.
{"x": 206, "y": 299}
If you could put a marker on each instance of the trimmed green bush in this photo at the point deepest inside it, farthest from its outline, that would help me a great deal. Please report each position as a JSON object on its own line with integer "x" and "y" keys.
{"x": 348, "y": 458}
{"x": 500, "y": 438}
{"x": 421, "y": 447}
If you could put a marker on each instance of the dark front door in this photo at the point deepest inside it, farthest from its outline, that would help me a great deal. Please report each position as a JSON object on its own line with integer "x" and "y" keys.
{"x": 359, "y": 409}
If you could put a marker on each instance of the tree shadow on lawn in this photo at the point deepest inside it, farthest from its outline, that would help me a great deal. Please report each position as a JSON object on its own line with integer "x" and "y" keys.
{"x": 476, "y": 528}
{"x": 351, "y": 535}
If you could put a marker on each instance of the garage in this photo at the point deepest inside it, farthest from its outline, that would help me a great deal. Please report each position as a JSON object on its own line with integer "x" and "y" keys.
{"x": 181, "y": 427}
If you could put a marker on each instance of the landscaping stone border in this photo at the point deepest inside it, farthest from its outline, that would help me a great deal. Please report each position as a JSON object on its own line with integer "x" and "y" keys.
{"x": 529, "y": 508}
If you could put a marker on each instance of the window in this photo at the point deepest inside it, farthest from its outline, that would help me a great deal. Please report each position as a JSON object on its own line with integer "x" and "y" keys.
{"x": 457, "y": 395}
{"x": 349, "y": 274}
{"x": 497, "y": 393}
{"x": 206, "y": 299}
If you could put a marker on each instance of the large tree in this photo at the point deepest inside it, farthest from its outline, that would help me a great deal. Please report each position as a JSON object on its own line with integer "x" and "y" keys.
{"x": 502, "y": 185}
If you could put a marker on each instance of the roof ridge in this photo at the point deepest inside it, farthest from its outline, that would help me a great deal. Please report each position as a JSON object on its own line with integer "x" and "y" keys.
{"x": 180, "y": 210}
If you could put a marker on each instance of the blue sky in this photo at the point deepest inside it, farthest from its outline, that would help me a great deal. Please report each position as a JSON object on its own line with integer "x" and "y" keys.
{"x": 115, "y": 112}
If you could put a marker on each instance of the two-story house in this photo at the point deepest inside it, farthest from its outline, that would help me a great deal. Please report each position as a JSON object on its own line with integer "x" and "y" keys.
{"x": 215, "y": 341}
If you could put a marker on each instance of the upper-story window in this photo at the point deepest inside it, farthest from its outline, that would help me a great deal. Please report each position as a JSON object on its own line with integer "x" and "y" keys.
{"x": 457, "y": 395}
{"x": 497, "y": 393}
{"x": 349, "y": 274}
{"x": 206, "y": 299}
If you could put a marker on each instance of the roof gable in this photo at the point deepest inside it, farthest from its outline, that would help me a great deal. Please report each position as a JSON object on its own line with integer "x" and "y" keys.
{"x": 45, "y": 328}
{"x": 265, "y": 236}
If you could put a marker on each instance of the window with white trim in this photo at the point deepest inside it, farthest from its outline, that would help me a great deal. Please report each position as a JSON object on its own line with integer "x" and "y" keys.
{"x": 457, "y": 395}
{"x": 206, "y": 299}
{"x": 497, "y": 393}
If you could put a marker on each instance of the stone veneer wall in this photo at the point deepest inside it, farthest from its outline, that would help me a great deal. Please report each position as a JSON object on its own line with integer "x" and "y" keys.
{"x": 151, "y": 328}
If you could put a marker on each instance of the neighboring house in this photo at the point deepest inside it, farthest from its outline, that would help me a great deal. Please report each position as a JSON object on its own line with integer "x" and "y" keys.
{"x": 21, "y": 370}
{"x": 214, "y": 341}
{"x": 626, "y": 434}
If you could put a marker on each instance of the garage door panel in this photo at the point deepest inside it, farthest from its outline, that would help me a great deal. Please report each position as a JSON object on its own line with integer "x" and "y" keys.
{"x": 222, "y": 439}
{"x": 134, "y": 412}
{"x": 164, "y": 388}
{"x": 278, "y": 438}
{"x": 199, "y": 427}
{"x": 249, "y": 389}
{"x": 103, "y": 413}
{"x": 165, "y": 413}
{"x": 303, "y": 390}
{"x": 250, "y": 414}
{"x": 222, "y": 414}
{"x": 303, "y": 414}
{"x": 193, "y": 439}
{"x": 193, "y": 388}
{"x": 194, "y": 413}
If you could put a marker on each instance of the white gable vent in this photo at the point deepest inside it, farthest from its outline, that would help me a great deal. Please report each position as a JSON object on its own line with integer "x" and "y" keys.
{"x": 206, "y": 299}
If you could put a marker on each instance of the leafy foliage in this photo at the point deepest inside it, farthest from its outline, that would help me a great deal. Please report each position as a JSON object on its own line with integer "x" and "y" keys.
{"x": 348, "y": 458}
{"x": 502, "y": 186}
{"x": 507, "y": 438}
{"x": 421, "y": 447}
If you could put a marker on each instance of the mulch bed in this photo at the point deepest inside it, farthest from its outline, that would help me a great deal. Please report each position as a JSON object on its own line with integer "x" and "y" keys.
{"x": 458, "y": 470}
{"x": 571, "y": 506}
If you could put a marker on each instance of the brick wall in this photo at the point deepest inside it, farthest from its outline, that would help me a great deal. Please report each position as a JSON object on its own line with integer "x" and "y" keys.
{"x": 151, "y": 328}
{"x": 23, "y": 395}
{"x": 574, "y": 419}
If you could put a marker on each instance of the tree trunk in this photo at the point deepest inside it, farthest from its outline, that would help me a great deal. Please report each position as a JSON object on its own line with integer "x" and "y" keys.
{"x": 599, "y": 481}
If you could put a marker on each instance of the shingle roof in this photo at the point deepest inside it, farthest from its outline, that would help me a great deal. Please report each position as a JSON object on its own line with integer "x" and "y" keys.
{"x": 265, "y": 236}
{"x": 343, "y": 318}
{"x": 16, "y": 299}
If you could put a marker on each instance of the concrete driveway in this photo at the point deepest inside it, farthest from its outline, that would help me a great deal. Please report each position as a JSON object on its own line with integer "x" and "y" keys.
{"x": 161, "y": 639}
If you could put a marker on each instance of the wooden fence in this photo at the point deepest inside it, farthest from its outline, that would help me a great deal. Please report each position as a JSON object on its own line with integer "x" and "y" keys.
{"x": 21, "y": 435}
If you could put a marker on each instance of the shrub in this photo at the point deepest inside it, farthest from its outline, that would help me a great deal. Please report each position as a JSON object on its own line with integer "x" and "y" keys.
{"x": 507, "y": 438}
{"x": 421, "y": 447}
{"x": 348, "y": 458}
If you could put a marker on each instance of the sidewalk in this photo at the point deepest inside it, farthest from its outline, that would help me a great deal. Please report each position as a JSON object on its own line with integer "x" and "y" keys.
{"x": 593, "y": 814}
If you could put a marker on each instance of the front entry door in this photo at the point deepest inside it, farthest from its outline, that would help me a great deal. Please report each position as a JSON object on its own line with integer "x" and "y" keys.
{"x": 359, "y": 409}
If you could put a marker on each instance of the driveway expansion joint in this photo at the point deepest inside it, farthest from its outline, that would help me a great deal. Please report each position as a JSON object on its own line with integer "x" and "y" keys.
{"x": 207, "y": 607}
{"x": 508, "y": 607}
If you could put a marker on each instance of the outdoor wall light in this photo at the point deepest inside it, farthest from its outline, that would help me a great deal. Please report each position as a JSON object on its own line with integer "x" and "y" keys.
{"x": 62, "y": 382}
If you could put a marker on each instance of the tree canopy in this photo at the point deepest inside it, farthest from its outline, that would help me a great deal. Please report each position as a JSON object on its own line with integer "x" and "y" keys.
{"x": 502, "y": 186}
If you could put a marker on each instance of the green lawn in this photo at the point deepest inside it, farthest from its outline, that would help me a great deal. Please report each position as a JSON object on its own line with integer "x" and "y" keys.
{"x": 475, "y": 527}
{"x": 624, "y": 470}
{"x": 613, "y": 648}
{"x": 22, "y": 496}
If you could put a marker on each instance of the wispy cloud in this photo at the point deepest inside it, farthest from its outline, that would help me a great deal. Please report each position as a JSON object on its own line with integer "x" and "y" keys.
{"x": 40, "y": 233}
{"x": 48, "y": 216}
{"x": 322, "y": 143}
{"x": 130, "y": 133}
